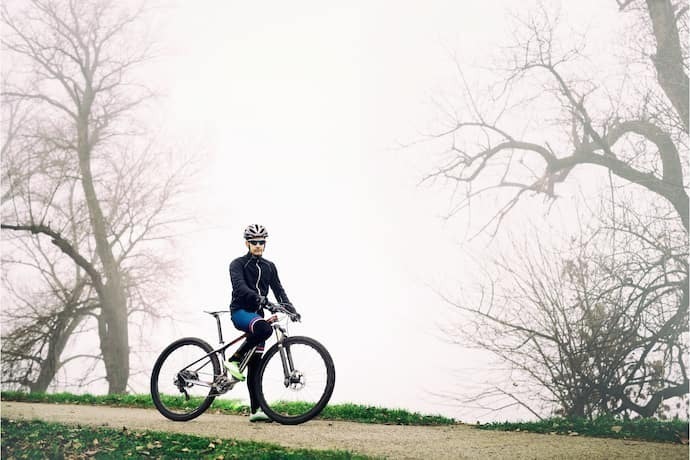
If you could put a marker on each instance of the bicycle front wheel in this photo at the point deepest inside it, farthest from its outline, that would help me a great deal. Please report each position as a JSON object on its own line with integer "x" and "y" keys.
{"x": 296, "y": 380}
{"x": 182, "y": 379}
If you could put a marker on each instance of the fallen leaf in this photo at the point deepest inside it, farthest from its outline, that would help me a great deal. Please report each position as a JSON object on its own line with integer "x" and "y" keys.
{"x": 95, "y": 441}
{"x": 616, "y": 429}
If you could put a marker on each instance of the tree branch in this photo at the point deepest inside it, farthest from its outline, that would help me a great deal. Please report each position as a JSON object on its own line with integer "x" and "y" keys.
{"x": 65, "y": 247}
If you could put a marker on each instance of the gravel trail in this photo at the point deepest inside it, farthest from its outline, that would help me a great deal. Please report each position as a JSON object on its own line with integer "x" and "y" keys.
{"x": 389, "y": 441}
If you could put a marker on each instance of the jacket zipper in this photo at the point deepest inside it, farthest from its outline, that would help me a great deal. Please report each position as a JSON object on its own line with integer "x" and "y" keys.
{"x": 259, "y": 278}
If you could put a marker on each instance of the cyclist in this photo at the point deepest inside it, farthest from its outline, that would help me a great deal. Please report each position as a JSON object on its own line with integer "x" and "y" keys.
{"x": 251, "y": 276}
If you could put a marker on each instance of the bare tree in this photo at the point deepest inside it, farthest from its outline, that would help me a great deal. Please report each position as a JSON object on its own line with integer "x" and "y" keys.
{"x": 598, "y": 333}
{"x": 38, "y": 333}
{"x": 46, "y": 297}
{"x": 42, "y": 315}
{"x": 605, "y": 329}
{"x": 85, "y": 180}
{"x": 638, "y": 141}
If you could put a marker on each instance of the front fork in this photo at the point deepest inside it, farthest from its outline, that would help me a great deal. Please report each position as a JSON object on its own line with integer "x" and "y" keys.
{"x": 285, "y": 354}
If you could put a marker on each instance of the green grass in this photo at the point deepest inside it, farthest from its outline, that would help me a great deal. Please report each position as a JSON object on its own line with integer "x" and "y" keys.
{"x": 381, "y": 415}
{"x": 36, "y": 439}
{"x": 646, "y": 429}
{"x": 346, "y": 412}
{"x": 610, "y": 427}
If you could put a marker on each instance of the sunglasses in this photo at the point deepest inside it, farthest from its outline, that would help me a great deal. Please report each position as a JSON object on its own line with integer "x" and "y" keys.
{"x": 258, "y": 243}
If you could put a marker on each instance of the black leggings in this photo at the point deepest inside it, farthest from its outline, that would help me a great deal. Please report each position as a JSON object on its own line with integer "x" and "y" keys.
{"x": 261, "y": 331}
{"x": 252, "y": 381}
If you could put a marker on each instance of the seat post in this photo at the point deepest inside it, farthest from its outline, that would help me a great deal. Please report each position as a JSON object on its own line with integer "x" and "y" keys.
{"x": 220, "y": 330}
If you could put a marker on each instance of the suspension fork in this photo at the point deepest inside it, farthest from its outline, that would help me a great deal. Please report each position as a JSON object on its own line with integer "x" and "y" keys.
{"x": 285, "y": 353}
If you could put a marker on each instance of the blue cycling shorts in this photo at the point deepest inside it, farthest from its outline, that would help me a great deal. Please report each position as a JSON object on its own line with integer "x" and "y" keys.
{"x": 244, "y": 321}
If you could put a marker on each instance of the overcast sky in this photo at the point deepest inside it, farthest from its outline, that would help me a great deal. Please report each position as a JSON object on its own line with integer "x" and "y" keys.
{"x": 299, "y": 110}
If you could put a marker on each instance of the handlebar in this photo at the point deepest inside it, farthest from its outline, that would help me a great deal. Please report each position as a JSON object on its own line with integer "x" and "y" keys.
{"x": 280, "y": 308}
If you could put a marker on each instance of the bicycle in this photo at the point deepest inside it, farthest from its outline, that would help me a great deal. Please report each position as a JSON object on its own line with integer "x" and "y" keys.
{"x": 295, "y": 381}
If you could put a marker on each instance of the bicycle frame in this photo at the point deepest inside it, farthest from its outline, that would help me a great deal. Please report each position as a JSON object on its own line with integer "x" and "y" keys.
{"x": 191, "y": 366}
{"x": 281, "y": 334}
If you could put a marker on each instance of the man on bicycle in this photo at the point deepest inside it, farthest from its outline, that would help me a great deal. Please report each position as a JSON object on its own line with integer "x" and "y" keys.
{"x": 251, "y": 276}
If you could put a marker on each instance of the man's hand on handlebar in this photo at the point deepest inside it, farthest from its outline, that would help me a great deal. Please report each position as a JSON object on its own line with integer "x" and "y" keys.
{"x": 284, "y": 308}
{"x": 293, "y": 312}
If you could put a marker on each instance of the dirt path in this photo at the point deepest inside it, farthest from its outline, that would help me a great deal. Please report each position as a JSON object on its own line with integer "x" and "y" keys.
{"x": 396, "y": 442}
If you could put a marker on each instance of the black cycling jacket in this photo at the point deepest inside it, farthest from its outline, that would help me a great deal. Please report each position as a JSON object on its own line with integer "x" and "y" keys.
{"x": 251, "y": 276}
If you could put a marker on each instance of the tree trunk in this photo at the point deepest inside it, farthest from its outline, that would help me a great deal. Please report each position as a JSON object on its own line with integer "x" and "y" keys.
{"x": 113, "y": 327}
{"x": 113, "y": 334}
{"x": 578, "y": 409}
{"x": 56, "y": 345}
{"x": 668, "y": 60}
{"x": 49, "y": 367}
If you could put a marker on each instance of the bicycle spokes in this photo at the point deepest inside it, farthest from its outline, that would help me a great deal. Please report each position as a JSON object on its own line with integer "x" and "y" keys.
{"x": 296, "y": 380}
{"x": 183, "y": 379}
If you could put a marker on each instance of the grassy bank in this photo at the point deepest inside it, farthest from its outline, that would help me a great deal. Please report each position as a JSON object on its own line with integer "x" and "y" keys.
{"x": 609, "y": 427}
{"x": 606, "y": 427}
{"x": 346, "y": 412}
{"x": 35, "y": 439}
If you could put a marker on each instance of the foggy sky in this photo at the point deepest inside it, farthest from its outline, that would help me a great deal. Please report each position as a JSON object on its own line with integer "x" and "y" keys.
{"x": 298, "y": 110}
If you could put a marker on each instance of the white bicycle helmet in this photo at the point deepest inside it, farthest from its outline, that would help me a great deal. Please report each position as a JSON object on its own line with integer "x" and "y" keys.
{"x": 255, "y": 231}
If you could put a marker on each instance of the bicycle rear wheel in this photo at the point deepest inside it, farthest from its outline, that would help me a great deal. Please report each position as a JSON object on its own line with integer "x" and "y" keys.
{"x": 305, "y": 391}
{"x": 182, "y": 377}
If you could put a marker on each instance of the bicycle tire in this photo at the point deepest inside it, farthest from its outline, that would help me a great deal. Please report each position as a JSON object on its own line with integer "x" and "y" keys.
{"x": 195, "y": 410}
{"x": 272, "y": 358}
